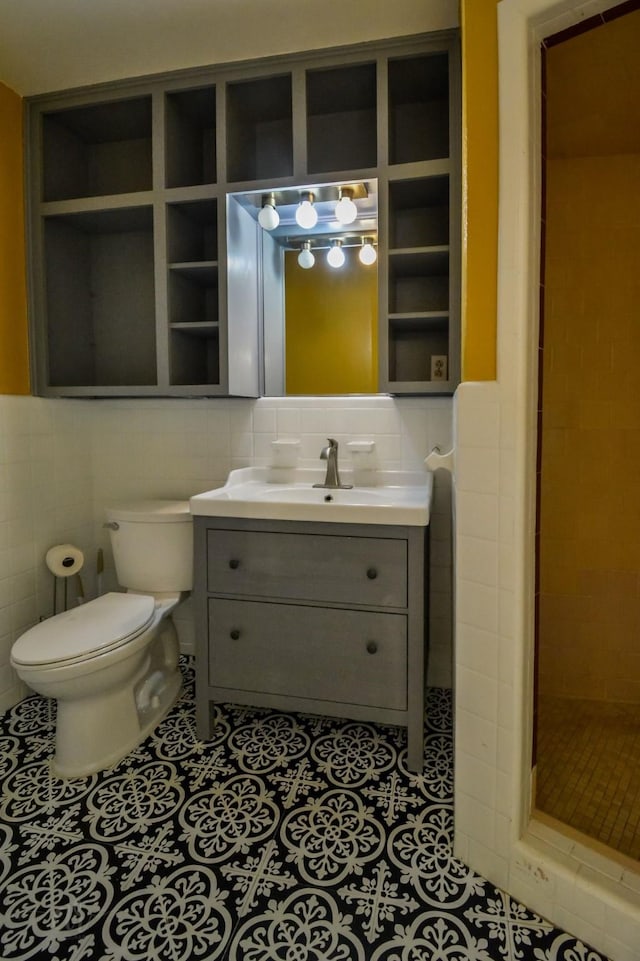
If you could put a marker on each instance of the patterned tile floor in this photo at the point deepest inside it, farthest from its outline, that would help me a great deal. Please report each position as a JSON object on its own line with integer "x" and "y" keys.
{"x": 285, "y": 838}
{"x": 588, "y": 769}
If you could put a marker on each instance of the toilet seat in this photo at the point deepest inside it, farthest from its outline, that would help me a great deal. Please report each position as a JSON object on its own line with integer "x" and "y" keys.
{"x": 94, "y": 628}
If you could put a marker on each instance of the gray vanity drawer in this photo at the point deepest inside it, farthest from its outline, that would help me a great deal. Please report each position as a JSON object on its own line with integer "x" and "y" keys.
{"x": 355, "y": 657}
{"x": 315, "y": 567}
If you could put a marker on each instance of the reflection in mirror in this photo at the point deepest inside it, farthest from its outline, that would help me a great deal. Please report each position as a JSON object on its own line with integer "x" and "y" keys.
{"x": 311, "y": 252}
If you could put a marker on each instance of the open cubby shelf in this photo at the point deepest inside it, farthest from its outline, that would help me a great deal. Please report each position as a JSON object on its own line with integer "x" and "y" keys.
{"x": 194, "y": 356}
{"x": 190, "y": 137}
{"x": 418, "y": 282}
{"x": 101, "y": 324}
{"x": 97, "y": 150}
{"x": 259, "y": 129}
{"x": 192, "y": 232}
{"x": 192, "y": 301}
{"x": 413, "y": 342}
{"x": 193, "y": 292}
{"x": 419, "y": 212}
{"x": 341, "y": 118}
{"x": 418, "y": 108}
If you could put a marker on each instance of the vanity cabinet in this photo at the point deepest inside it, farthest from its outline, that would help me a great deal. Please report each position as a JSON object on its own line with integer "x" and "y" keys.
{"x": 323, "y": 618}
{"x": 143, "y": 279}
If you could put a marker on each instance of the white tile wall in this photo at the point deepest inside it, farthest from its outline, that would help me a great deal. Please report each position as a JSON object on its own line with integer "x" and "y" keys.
{"x": 45, "y": 498}
{"x": 479, "y": 744}
{"x": 63, "y": 461}
{"x": 596, "y": 900}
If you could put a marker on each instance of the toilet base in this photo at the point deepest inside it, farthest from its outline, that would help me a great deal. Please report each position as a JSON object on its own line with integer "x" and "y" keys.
{"x": 119, "y": 713}
{"x": 96, "y": 732}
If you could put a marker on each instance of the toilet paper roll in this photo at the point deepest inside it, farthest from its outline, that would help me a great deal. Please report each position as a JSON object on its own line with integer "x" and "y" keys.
{"x": 63, "y": 560}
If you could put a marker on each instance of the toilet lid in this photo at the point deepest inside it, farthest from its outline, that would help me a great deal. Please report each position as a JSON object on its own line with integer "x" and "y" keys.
{"x": 85, "y": 630}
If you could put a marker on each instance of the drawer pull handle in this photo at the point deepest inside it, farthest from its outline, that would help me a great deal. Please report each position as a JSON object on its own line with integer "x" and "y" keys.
{"x": 234, "y": 634}
{"x": 234, "y": 563}
{"x": 372, "y": 647}
{"x": 372, "y": 573}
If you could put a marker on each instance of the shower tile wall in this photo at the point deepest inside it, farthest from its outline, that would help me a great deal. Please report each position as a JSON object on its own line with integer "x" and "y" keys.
{"x": 61, "y": 461}
{"x": 590, "y": 491}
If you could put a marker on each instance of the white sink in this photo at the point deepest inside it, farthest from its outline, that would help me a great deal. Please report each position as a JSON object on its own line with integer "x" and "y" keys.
{"x": 398, "y": 497}
{"x": 295, "y": 494}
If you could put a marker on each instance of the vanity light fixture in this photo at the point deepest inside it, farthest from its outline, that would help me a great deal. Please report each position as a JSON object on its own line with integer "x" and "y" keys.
{"x": 346, "y": 210}
{"x": 367, "y": 254}
{"x": 306, "y": 213}
{"x": 305, "y": 257}
{"x": 335, "y": 257}
{"x": 268, "y": 218}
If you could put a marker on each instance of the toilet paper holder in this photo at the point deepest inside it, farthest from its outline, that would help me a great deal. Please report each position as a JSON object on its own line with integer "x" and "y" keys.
{"x": 65, "y": 561}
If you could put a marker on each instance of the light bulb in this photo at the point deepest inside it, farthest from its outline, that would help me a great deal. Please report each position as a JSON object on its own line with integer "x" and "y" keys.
{"x": 367, "y": 254}
{"x": 346, "y": 210}
{"x": 335, "y": 257}
{"x": 268, "y": 218}
{"x": 306, "y": 213}
{"x": 305, "y": 257}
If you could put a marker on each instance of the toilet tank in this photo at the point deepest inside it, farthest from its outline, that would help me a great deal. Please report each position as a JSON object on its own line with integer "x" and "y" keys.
{"x": 152, "y": 543}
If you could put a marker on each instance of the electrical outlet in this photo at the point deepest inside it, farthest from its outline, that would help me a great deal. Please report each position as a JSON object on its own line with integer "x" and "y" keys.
{"x": 438, "y": 367}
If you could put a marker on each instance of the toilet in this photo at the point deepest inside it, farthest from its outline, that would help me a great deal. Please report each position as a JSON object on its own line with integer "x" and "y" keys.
{"x": 112, "y": 663}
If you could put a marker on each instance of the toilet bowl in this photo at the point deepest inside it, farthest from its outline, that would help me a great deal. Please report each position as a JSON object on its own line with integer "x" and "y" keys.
{"x": 112, "y": 664}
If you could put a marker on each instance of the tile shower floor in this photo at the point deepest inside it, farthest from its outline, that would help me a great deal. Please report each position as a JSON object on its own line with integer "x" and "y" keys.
{"x": 588, "y": 769}
{"x": 285, "y": 838}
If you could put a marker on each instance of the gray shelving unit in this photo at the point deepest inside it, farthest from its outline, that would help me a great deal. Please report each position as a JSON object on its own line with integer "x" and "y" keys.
{"x": 141, "y": 281}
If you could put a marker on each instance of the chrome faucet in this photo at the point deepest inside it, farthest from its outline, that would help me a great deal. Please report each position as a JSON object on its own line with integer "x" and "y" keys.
{"x": 332, "y": 479}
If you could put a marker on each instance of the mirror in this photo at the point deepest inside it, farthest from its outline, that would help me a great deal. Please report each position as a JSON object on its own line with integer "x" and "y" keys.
{"x": 318, "y": 321}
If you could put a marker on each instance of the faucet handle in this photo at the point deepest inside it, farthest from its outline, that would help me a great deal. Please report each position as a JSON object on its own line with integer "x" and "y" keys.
{"x": 332, "y": 446}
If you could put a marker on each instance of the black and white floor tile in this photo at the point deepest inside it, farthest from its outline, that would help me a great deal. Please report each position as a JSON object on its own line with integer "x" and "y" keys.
{"x": 285, "y": 838}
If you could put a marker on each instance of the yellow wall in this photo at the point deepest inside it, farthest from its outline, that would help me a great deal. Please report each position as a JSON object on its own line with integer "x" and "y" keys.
{"x": 478, "y": 20}
{"x": 331, "y": 327}
{"x": 589, "y": 629}
{"x": 14, "y": 349}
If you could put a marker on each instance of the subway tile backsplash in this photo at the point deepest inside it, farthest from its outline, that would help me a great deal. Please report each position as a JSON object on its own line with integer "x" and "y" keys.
{"x": 62, "y": 461}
